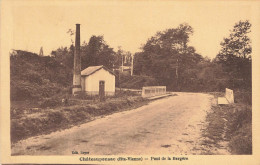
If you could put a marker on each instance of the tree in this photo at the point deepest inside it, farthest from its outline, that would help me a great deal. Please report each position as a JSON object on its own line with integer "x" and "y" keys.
{"x": 235, "y": 53}
{"x": 97, "y": 52}
{"x": 64, "y": 56}
{"x": 167, "y": 55}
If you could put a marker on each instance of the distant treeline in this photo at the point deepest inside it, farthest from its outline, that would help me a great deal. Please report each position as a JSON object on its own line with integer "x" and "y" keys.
{"x": 168, "y": 58}
{"x": 165, "y": 59}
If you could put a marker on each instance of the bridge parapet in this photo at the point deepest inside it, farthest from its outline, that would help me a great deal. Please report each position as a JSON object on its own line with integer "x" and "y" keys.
{"x": 229, "y": 95}
{"x": 150, "y": 91}
{"x": 228, "y": 99}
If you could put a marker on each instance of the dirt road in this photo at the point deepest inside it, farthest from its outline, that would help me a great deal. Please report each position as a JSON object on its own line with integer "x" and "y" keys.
{"x": 167, "y": 126}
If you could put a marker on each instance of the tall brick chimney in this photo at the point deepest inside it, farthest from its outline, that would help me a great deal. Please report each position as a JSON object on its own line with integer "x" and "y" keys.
{"x": 77, "y": 63}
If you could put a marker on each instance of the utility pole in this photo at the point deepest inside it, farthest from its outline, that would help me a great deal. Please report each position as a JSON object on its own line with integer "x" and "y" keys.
{"x": 122, "y": 67}
{"x": 119, "y": 83}
{"x": 132, "y": 67}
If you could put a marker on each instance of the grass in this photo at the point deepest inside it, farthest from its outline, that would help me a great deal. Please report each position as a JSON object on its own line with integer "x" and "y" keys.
{"x": 232, "y": 123}
{"x": 51, "y": 115}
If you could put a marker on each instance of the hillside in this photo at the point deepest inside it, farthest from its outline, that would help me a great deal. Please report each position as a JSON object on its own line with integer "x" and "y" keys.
{"x": 36, "y": 77}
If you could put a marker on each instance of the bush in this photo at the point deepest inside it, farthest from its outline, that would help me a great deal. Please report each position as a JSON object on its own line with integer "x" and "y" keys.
{"x": 56, "y": 118}
{"x": 36, "y": 77}
{"x": 241, "y": 143}
{"x": 20, "y": 93}
{"x": 125, "y": 93}
{"x": 135, "y": 82}
{"x": 51, "y": 103}
{"x": 234, "y": 121}
{"x": 83, "y": 96}
{"x": 33, "y": 77}
{"x": 243, "y": 97}
{"x": 239, "y": 131}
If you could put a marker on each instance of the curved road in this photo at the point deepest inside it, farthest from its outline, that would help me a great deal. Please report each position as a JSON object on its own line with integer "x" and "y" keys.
{"x": 167, "y": 126}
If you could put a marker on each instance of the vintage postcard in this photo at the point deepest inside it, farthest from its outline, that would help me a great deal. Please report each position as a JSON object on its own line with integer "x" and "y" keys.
{"x": 130, "y": 82}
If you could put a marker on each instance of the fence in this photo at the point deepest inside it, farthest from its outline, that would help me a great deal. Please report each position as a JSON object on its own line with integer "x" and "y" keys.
{"x": 151, "y": 91}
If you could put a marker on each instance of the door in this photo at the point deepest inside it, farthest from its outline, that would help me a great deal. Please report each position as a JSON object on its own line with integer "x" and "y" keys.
{"x": 102, "y": 90}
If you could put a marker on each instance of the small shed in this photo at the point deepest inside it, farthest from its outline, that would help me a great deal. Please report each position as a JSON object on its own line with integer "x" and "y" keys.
{"x": 98, "y": 79}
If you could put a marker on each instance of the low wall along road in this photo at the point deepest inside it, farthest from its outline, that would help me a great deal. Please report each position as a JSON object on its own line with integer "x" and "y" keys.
{"x": 229, "y": 95}
{"x": 151, "y": 91}
{"x": 228, "y": 99}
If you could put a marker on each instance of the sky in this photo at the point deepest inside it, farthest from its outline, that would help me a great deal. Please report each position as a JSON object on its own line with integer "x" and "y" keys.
{"x": 128, "y": 24}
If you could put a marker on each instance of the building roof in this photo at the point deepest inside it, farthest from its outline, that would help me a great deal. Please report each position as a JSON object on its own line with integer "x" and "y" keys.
{"x": 92, "y": 69}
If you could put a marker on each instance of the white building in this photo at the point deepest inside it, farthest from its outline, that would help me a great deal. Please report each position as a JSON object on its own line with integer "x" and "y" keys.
{"x": 98, "y": 79}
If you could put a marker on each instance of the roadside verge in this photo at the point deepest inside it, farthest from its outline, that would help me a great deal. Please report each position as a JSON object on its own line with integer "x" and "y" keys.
{"x": 231, "y": 125}
{"x": 36, "y": 121}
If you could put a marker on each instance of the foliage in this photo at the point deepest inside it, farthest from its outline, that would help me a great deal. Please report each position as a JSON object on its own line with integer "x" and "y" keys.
{"x": 231, "y": 123}
{"x": 35, "y": 77}
{"x": 50, "y": 103}
{"x": 97, "y": 52}
{"x": 135, "y": 82}
{"x": 241, "y": 143}
{"x": 168, "y": 57}
{"x": 83, "y": 96}
{"x": 235, "y": 53}
{"x": 240, "y": 130}
{"x": 238, "y": 44}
